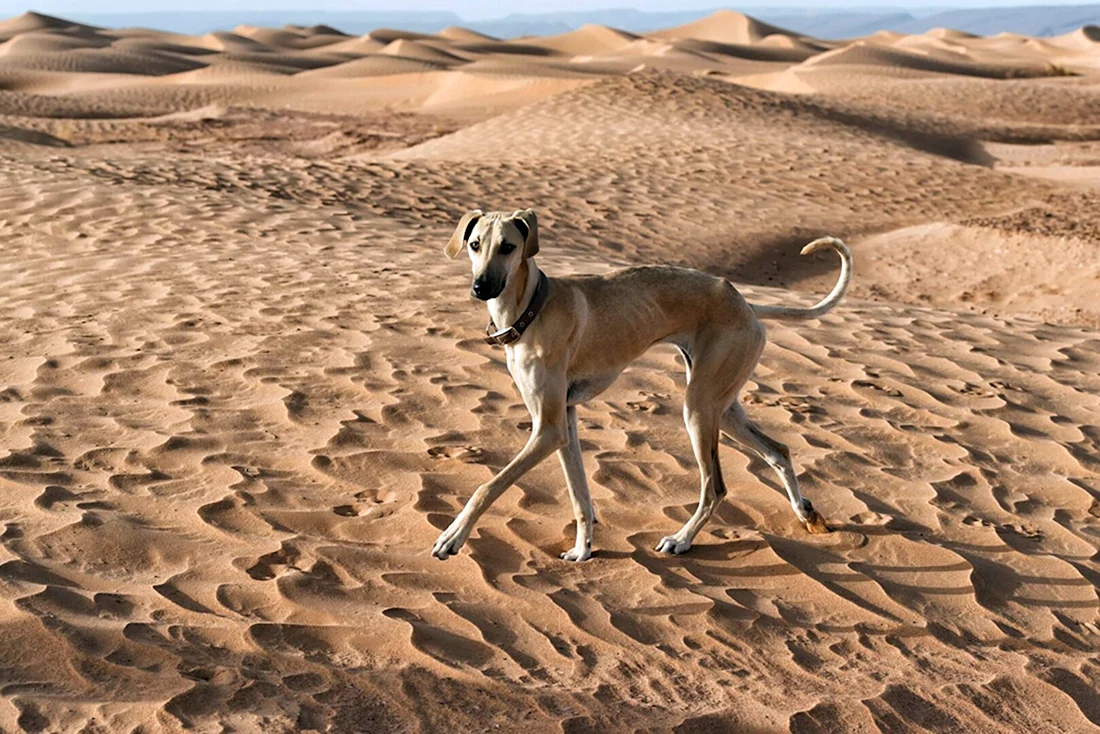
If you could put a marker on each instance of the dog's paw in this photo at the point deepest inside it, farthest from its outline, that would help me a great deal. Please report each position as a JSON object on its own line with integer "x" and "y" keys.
{"x": 815, "y": 524}
{"x": 449, "y": 542}
{"x": 673, "y": 545}
{"x": 577, "y": 554}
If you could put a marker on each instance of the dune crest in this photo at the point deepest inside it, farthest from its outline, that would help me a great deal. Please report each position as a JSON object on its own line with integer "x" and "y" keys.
{"x": 725, "y": 26}
{"x": 31, "y": 22}
{"x": 590, "y": 40}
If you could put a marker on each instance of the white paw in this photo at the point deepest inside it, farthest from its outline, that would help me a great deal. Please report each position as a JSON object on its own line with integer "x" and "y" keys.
{"x": 577, "y": 554}
{"x": 672, "y": 544}
{"x": 449, "y": 542}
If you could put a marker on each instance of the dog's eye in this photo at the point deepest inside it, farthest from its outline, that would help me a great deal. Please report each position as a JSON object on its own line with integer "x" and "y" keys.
{"x": 474, "y": 245}
{"x": 507, "y": 248}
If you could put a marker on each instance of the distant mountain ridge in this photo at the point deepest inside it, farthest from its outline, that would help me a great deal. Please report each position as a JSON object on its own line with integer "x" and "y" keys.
{"x": 1031, "y": 20}
{"x": 199, "y": 22}
{"x": 836, "y": 22}
{"x": 1050, "y": 20}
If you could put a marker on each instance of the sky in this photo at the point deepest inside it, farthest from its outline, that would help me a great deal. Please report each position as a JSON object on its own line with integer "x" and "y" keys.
{"x": 476, "y": 9}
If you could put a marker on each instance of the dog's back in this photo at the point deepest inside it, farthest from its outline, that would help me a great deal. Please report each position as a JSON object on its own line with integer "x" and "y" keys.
{"x": 619, "y": 315}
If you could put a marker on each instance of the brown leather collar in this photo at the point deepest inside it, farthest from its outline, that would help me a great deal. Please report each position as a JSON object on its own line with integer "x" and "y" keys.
{"x": 515, "y": 331}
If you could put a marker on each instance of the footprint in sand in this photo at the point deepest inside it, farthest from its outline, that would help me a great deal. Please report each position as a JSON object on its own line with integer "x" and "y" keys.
{"x": 467, "y": 454}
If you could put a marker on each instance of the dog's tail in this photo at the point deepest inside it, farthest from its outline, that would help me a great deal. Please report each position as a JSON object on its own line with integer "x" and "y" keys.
{"x": 826, "y": 304}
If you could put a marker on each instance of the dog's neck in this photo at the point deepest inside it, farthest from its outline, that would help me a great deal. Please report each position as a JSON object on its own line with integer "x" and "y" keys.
{"x": 517, "y": 293}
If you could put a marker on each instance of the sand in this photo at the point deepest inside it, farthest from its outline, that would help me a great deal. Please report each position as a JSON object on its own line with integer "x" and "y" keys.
{"x": 242, "y": 391}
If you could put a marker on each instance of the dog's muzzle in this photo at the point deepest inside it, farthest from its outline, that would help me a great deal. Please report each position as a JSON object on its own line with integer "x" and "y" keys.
{"x": 486, "y": 288}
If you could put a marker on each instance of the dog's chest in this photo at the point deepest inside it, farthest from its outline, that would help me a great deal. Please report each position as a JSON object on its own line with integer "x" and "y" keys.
{"x": 580, "y": 388}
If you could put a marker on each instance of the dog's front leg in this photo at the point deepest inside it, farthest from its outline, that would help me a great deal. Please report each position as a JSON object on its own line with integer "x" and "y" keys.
{"x": 544, "y": 393}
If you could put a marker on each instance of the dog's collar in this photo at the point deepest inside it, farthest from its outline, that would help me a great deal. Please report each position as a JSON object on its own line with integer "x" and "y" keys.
{"x": 515, "y": 331}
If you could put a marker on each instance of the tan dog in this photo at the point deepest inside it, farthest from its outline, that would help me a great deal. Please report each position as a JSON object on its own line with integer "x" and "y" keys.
{"x": 589, "y": 330}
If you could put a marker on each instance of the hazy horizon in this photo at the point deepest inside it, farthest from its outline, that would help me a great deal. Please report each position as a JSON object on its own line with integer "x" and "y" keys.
{"x": 487, "y": 9}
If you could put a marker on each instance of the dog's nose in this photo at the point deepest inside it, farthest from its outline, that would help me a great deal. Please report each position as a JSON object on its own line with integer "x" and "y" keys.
{"x": 482, "y": 289}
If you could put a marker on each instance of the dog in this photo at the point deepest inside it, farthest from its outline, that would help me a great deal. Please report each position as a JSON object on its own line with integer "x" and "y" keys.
{"x": 570, "y": 338}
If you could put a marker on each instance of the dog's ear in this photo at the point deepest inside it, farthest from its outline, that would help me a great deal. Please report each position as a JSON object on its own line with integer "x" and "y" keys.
{"x": 528, "y": 225}
{"x": 462, "y": 233}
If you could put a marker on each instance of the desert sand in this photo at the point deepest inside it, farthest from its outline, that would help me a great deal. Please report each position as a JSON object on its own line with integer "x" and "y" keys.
{"x": 242, "y": 391}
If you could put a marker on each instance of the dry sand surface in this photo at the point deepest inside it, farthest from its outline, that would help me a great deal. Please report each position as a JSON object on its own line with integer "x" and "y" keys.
{"x": 241, "y": 391}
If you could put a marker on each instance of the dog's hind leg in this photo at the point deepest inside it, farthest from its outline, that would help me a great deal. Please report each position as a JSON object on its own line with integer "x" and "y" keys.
{"x": 572, "y": 464}
{"x": 738, "y": 427}
{"x": 701, "y": 414}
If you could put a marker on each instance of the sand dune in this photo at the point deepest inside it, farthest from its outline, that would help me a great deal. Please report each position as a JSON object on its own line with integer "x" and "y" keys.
{"x": 99, "y": 61}
{"x": 725, "y": 26}
{"x": 591, "y": 40}
{"x": 388, "y": 35}
{"x": 414, "y": 50}
{"x": 51, "y": 41}
{"x": 950, "y": 34}
{"x": 937, "y": 60}
{"x": 372, "y": 66}
{"x": 794, "y": 52}
{"x": 355, "y": 47}
{"x": 464, "y": 35}
{"x": 241, "y": 390}
{"x": 509, "y": 48}
{"x": 292, "y": 38}
{"x": 231, "y": 43}
{"x": 31, "y": 22}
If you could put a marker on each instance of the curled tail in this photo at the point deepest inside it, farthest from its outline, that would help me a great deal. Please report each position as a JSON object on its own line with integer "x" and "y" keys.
{"x": 825, "y": 304}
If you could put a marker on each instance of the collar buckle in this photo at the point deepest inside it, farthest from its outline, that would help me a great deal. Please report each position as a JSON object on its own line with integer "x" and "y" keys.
{"x": 504, "y": 336}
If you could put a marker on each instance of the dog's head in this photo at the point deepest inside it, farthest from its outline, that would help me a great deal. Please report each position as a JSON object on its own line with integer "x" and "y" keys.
{"x": 498, "y": 243}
